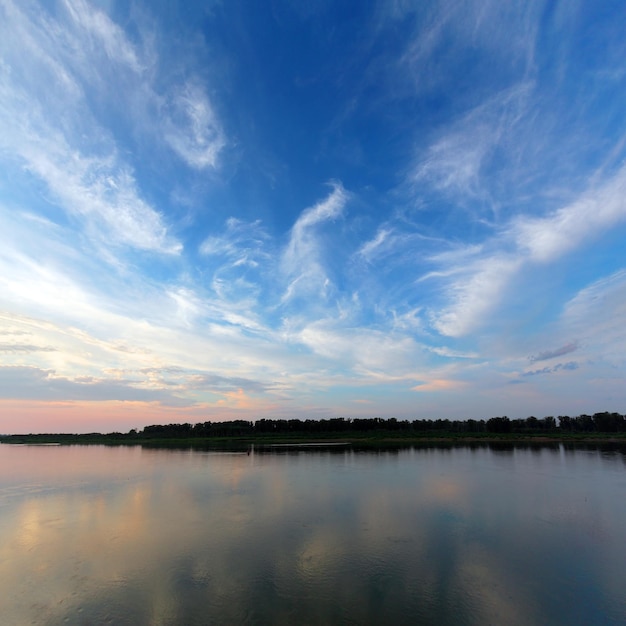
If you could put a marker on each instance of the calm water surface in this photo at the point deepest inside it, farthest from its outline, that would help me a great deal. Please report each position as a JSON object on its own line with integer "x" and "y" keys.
{"x": 101, "y": 535}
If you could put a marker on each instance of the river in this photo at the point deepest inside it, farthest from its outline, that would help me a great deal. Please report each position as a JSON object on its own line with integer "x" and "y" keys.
{"x": 428, "y": 535}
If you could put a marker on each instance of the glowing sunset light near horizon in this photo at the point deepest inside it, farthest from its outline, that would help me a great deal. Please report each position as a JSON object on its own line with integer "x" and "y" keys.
{"x": 217, "y": 211}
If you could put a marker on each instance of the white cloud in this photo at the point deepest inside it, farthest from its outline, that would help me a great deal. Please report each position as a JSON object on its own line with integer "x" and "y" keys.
{"x": 192, "y": 128}
{"x": 359, "y": 352}
{"x": 456, "y": 161}
{"x": 188, "y": 305}
{"x": 61, "y": 69}
{"x": 453, "y": 354}
{"x": 31, "y": 383}
{"x": 547, "y": 238}
{"x": 239, "y": 263}
{"x": 374, "y": 246}
{"x": 506, "y": 154}
{"x": 302, "y": 259}
{"x": 97, "y": 189}
{"x": 595, "y": 316}
{"x": 242, "y": 242}
{"x": 328, "y": 209}
{"x": 475, "y": 288}
{"x": 410, "y": 321}
{"x": 474, "y": 294}
{"x": 446, "y": 30}
{"x": 47, "y": 127}
{"x": 103, "y": 34}
{"x": 457, "y": 255}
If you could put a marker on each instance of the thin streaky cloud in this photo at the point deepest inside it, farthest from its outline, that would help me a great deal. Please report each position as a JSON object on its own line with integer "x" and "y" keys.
{"x": 551, "y": 354}
{"x": 24, "y": 347}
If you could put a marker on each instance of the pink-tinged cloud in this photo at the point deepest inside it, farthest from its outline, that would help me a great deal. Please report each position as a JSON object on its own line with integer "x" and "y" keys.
{"x": 236, "y": 399}
{"x": 440, "y": 384}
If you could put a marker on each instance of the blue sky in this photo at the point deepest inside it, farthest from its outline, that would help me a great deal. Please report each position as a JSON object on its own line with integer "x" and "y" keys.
{"x": 222, "y": 210}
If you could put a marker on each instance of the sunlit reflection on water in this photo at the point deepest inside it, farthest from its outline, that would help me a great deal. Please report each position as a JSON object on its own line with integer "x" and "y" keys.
{"x": 96, "y": 535}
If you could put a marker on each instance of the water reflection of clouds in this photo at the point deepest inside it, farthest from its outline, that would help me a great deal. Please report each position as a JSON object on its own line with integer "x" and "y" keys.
{"x": 241, "y": 538}
{"x": 497, "y": 596}
{"x": 148, "y": 523}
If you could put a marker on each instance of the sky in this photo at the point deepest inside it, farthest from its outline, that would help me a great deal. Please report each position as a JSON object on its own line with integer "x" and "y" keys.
{"x": 240, "y": 210}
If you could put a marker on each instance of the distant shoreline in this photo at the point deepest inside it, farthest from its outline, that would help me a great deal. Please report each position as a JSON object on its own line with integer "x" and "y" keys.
{"x": 604, "y": 427}
{"x": 337, "y": 440}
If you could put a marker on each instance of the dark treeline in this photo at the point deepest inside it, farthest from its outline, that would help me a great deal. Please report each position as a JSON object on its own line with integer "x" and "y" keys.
{"x": 563, "y": 425}
{"x": 597, "y": 423}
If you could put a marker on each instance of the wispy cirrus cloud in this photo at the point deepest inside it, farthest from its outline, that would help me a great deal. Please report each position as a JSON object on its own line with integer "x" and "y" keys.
{"x": 342, "y": 351}
{"x": 395, "y": 242}
{"x": 241, "y": 242}
{"x": 473, "y": 294}
{"x": 302, "y": 260}
{"x": 98, "y": 190}
{"x": 100, "y": 36}
{"x": 192, "y": 128}
{"x": 489, "y": 25}
{"x": 49, "y": 130}
{"x": 478, "y": 287}
{"x": 381, "y": 242}
{"x": 500, "y": 158}
{"x": 595, "y": 316}
{"x": 60, "y": 68}
{"x": 457, "y": 162}
{"x": 183, "y": 114}
{"x": 240, "y": 257}
{"x": 543, "y": 239}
